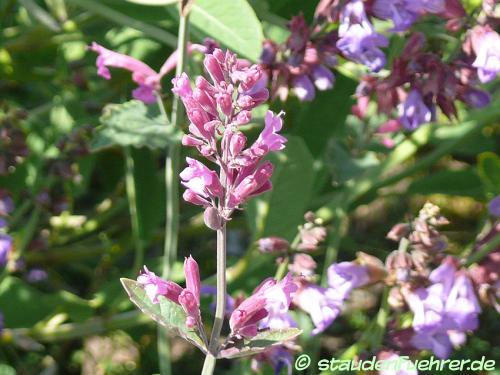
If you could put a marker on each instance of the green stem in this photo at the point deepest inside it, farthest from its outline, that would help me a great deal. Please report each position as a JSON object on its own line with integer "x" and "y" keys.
{"x": 93, "y": 326}
{"x": 209, "y": 365}
{"x": 134, "y": 216}
{"x": 476, "y": 256}
{"x": 282, "y": 268}
{"x": 172, "y": 191}
{"x": 30, "y": 230}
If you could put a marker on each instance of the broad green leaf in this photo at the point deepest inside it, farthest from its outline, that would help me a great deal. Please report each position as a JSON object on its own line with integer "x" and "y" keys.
{"x": 345, "y": 166}
{"x": 134, "y": 124}
{"x": 279, "y": 211}
{"x": 259, "y": 343}
{"x": 153, "y": 2}
{"x": 149, "y": 187}
{"x": 489, "y": 171}
{"x": 326, "y": 115}
{"x": 37, "y": 305}
{"x": 231, "y": 22}
{"x": 461, "y": 182}
{"x": 165, "y": 313}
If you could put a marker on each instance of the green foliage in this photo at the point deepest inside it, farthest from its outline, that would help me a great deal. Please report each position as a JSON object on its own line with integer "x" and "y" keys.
{"x": 231, "y": 22}
{"x": 134, "y": 124}
{"x": 166, "y": 313}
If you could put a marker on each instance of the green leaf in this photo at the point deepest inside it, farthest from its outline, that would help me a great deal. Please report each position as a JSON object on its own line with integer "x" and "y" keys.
{"x": 134, "y": 124}
{"x": 461, "y": 182}
{"x": 231, "y": 22}
{"x": 153, "y": 2}
{"x": 37, "y": 305}
{"x": 165, "y": 313}
{"x": 259, "y": 343}
{"x": 489, "y": 171}
{"x": 279, "y": 211}
{"x": 326, "y": 115}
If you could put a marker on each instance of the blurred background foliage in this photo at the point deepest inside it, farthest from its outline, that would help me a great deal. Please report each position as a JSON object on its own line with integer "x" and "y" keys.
{"x": 72, "y": 220}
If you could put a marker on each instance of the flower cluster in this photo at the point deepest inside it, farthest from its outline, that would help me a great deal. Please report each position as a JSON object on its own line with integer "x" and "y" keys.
{"x": 432, "y": 83}
{"x": 216, "y": 109}
{"x": 188, "y": 297}
{"x": 445, "y": 310}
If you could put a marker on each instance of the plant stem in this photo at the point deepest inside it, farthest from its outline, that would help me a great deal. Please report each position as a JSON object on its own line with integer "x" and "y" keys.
{"x": 134, "y": 216}
{"x": 172, "y": 191}
{"x": 487, "y": 248}
{"x": 209, "y": 365}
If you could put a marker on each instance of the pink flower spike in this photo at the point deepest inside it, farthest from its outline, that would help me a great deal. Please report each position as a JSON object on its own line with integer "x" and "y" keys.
{"x": 192, "y": 274}
{"x": 155, "y": 287}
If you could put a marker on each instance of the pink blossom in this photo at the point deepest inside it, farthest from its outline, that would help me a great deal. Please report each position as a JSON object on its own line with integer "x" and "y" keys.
{"x": 156, "y": 286}
{"x": 270, "y": 296}
{"x": 200, "y": 180}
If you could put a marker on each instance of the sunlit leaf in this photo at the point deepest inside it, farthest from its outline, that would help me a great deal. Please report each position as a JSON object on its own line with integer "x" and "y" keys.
{"x": 165, "y": 313}
{"x": 259, "y": 343}
{"x": 231, "y": 22}
{"x": 134, "y": 124}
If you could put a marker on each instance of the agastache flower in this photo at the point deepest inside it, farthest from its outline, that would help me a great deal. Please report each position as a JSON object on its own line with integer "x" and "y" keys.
{"x": 217, "y": 107}
{"x": 345, "y": 276}
{"x": 270, "y": 295}
{"x": 188, "y": 297}
{"x": 147, "y": 79}
{"x": 358, "y": 40}
{"x": 5, "y": 248}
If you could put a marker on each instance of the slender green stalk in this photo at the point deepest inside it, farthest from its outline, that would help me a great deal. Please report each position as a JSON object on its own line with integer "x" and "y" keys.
{"x": 220, "y": 307}
{"x": 172, "y": 191}
{"x": 134, "y": 216}
{"x": 487, "y": 248}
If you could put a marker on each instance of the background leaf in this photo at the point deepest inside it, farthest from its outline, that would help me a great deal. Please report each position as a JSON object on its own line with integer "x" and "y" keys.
{"x": 231, "y": 22}
{"x": 462, "y": 182}
{"x": 134, "y": 124}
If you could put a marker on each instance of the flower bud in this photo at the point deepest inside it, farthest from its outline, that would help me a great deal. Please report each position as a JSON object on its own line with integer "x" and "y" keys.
{"x": 273, "y": 245}
{"x": 192, "y": 274}
{"x": 212, "y": 218}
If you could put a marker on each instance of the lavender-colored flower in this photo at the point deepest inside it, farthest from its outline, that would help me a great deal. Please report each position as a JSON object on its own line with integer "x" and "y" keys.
{"x": 486, "y": 45}
{"x": 426, "y": 6}
{"x": 270, "y": 296}
{"x": 35, "y": 275}
{"x": 322, "y": 77}
{"x": 322, "y": 304}
{"x": 6, "y": 203}
{"x": 303, "y": 88}
{"x": 399, "y": 11}
{"x": 279, "y": 357}
{"x": 3, "y": 223}
{"x": 476, "y": 98}
{"x": 494, "y": 206}
{"x": 414, "y": 112}
{"x": 210, "y": 290}
{"x": 147, "y": 79}
{"x": 5, "y": 248}
{"x": 273, "y": 244}
{"x": 345, "y": 276}
{"x": 358, "y": 40}
{"x": 445, "y": 309}
{"x": 394, "y": 364}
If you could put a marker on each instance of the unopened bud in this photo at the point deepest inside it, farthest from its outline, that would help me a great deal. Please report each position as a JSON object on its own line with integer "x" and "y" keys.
{"x": 212, "y": 218}
{"x": 273, "y": 245}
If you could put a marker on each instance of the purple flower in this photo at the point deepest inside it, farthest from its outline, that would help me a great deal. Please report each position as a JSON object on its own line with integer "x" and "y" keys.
{"x": 444, "y": 310}
{"x": 486, "y": 45}
{"x": 398, "y": 365}
{"x": 358, "y": 40}
{"x": 6, "y": 204}
{"x": 35, "y": 275}
{"x": 5, "y": 248}
{"x": 269, "y": 139}
{"x": 476, "y": 98}
{"x": 273, "y": 244}
{"x": 270, "y": 296}
{"x": 396, "y": 10}
{"x": 322, "y": 304}
{"x": 494, "y": 206}
{"x": 426, "y": 6}
{"x": 414, "y": 112}
{"x": 323, "y": 77}
{"x": 346, "y": 276}
{"x": 250, "y": 183}
{"x": 278, "y": 357}
{"x": 303, "y": 88}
